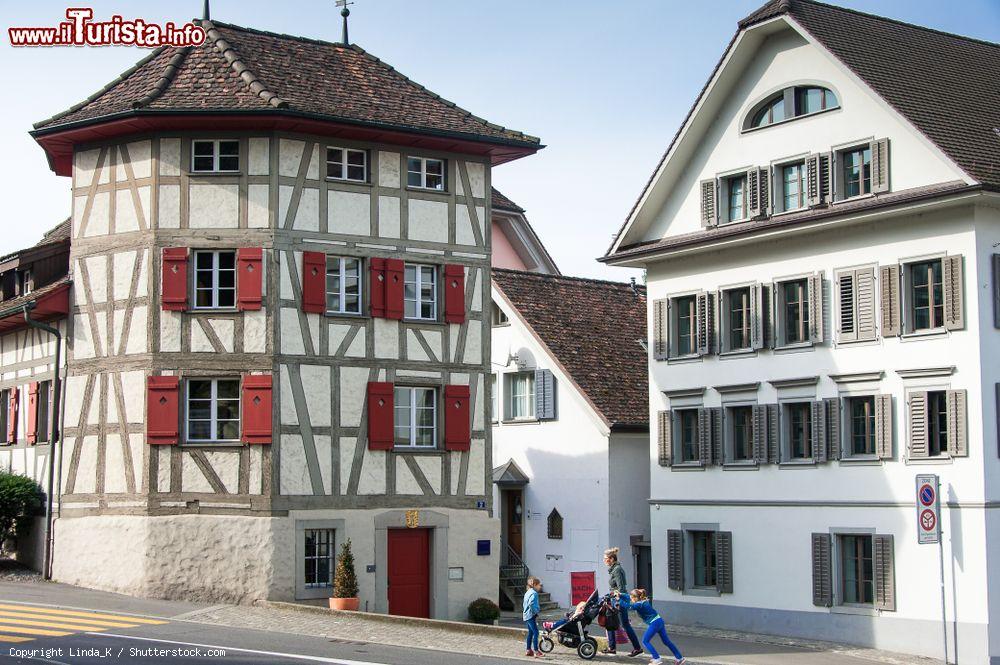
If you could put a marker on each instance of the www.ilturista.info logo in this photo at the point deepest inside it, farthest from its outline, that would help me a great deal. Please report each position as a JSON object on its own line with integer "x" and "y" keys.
{"x": 81, "y": 30}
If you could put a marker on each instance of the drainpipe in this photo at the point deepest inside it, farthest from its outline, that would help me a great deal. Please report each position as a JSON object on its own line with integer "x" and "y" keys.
{"x": 53, "y": 438}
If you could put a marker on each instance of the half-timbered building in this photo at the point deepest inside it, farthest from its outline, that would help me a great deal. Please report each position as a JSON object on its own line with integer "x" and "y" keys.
{"x": 279, "y": 328}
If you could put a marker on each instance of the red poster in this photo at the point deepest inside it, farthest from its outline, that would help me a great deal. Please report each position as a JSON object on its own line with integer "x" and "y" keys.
{"x": 582, "y": 585}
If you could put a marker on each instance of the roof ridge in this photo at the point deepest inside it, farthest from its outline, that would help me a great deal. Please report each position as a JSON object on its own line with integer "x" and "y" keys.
{"x": 568, "y": 278}
{"x": 169, "y": 73}
{"x": 280, "y": 35}
{"x": 242, "y": 70}
{"x": 889, "y": 19}
{"x": 120, "y": 79}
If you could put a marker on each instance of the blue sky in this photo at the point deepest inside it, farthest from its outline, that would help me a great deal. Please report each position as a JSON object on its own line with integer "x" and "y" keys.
{"x": 604, "y": 84}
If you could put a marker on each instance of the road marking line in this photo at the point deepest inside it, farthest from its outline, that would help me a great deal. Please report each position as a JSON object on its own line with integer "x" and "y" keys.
{"x": 32, "y": 631}
{"x": 64, "y": 619}
{"x": 27, "y": 621}
{"x": 293, "y": 656}
{"x": 86, "y": 615}
{"x": 15, "y": 638}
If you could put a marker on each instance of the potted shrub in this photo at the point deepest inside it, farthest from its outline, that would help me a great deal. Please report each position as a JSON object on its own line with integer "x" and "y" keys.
{"x": 345, "y": 581}
{"x": 484, "y": 611}
{"x": 20, "y": 500}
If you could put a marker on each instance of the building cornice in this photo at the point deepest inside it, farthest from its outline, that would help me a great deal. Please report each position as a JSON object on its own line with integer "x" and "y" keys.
{"x": 926, "y": 372}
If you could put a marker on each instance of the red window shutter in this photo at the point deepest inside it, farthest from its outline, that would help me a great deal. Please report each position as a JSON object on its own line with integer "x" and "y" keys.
{"x": 457, "y": 423}
{"x": 31, "y": 424}
{"x": 174, "y": 291}
{"x": 314, "y": 282}
{"x": 376, "y": 297}
{"x": 454, "y": 293}
{"x": 12, "y": 410}
{"x": 380, "y": 416}
{"x": 394, "y": 289}
{"x": 249, "y": 282}
{"x": 257, "y": 408}
{"x": 162, "y": 410}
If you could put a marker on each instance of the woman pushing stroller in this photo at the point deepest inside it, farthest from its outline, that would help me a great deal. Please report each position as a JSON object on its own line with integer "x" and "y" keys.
{"x": 638, "y": 601}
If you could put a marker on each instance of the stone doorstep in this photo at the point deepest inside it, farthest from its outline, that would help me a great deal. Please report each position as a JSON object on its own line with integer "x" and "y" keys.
{"x": 874, "y": 655}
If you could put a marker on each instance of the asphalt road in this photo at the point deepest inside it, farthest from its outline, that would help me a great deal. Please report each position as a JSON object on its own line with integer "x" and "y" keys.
{"x": 53, "y": 624}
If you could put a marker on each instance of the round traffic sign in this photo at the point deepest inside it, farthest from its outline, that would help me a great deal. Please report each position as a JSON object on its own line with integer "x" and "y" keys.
{"x": 928, "y": 520}
{"x": 926, "y": 495}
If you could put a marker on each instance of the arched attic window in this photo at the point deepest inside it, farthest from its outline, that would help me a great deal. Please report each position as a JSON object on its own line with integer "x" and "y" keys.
{"x": 790, "y": 103}
{"x": 555, "y": 525}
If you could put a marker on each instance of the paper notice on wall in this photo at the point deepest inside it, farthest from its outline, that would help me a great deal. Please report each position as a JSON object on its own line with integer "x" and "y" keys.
{"x": 582, "y": 584}
{"x": 554, "y": 563}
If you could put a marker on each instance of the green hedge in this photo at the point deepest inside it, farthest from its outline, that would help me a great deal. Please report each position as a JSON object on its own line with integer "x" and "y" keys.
{"x": 20, "y": 500}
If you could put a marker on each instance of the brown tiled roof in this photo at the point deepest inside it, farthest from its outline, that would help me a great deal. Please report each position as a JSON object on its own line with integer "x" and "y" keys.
{"x": 593, "y": 328}
{"x": 803, "y": 218}
{"x": 59, "y": 233}
{"x": 241, "y": 69}
{"x": 944, "y": 84}
{"x": 501, "y": 202}
{"x": 35, "y": 295}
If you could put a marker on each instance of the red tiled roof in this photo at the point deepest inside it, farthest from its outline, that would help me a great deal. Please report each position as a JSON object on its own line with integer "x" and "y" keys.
{"x": 501, "y": 202}
{"x": 594, "y": 329}
{"x": 282, "y": 72}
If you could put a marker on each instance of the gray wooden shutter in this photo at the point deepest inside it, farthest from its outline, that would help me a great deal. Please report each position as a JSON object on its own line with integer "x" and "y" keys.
{"x": 847, "y": 302}
{"x": 660, "y": 328}
{"x": 705, "y": 436}
{"x": 718, "y": 443}
{"x": 996, "y": 290}
{"x": 889, "y": 292}
{"x": 864, "y": 298}
{"x": 760, "y": 433}
{"x": 545, "y": 395}
{"x": 756, "y": 317}
{"x": 724, "y": 561}
{"x": 767, "y": 316}
{"x": 917, "y": 423}
{"x": 709, "y": 209}
{"x": 958, "y": 428}
{"x": 954, "y": 308}
{"x": 711, "y": 312}
{"x": 773, "y": 434}
{"x": 675, "y": 559}
{"x": 764, "y": 191}
{"x": 702, "y": 322}
{"x": 665, "y": 438}
{"x": 814, "y": 186}
{"x": 880, "y": 165}
{"x": 753, "y": 193}
{"x": 822, "y": 578}
{"x": 883, "y": 426}
{"x": 817, "y": 432}
{"x": 828, "y": 176}
{"x": 816, "y": 309}
{"x": 833, "y": 439}
{"x": 885, "y": 572}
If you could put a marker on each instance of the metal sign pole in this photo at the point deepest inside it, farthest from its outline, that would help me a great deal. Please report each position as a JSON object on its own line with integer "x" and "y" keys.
{"x": 944, "y": 616}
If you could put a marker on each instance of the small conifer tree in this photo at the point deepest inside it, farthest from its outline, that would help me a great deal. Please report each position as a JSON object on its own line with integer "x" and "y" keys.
{"x": 345, "y": 581}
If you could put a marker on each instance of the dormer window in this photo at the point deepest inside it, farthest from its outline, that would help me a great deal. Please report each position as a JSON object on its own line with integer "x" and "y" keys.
{"x": 790, "y": 103}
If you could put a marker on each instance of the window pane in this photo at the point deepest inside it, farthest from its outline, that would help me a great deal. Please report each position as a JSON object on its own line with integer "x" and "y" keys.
{"x": 228, "y": 389}
{"x": 200, "y": 430}
{"x": 796, "y": 323}
{"x": 810, "y": 100}
{"x": 227, "y": 260}
{"x": 685, "y": 325}
{"x": 334, "y": 170}
{"x": 356, "y": 157}
{"x": 202, "y": 148}
{"x": 229, "y": 163}
{"x": 199, "y": 389}
{"x": 227, "y": 297}
{"x": 356, "y": 173}
{"x": 736, "y": 191}
{"x": 435, "y": 182}
{"x": 203, "y": 164}
{"x": 228, "y": 431}
{"x": 229, "y": 148}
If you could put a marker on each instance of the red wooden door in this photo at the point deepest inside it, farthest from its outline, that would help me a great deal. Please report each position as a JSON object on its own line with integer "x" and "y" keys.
{"x": 410, "y": 572}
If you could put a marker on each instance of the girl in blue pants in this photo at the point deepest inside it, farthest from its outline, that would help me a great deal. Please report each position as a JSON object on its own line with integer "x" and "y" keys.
{"x": 638, "y": 601}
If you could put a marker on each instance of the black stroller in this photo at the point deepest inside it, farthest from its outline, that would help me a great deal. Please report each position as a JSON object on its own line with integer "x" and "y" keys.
{"x": 573, "y": 634}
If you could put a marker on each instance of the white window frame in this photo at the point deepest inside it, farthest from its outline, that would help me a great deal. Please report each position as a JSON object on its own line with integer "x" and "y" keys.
{"x": 786, "y": 431}
{"x": 423, "y": 173}
{"x": 677, "y": 431}
{"x": 724, "y": 318}
{"x": 306, "y": 559}
{"x": 837, "y": 568}
{"x": 342, "y": 294}
{"x": 837, "y": 171}
{"x": 674, "y": 323}
{"x": 344, "y": 154}
{"x": 527, "y": 399}
{"x": 418, "y": 288}
{"x": 779, "y": 180}
{"x": 216, "y": 148}
{"x": 498, "y": 318}
{"x": 729, "y": 433}
{"x": 213, "y": 405}
{"x": 725, "y": 181}
{"x": 411, "y": 441}
{"x": 846, "y": 443}
{"x": 909, "y": 326}
{"x": 778, "y": 312}
{"x": 215, "y": 288}
{"x": 25, "y": 280}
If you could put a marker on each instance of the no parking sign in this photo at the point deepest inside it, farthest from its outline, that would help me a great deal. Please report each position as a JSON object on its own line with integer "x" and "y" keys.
{"x": 928, "y": 510}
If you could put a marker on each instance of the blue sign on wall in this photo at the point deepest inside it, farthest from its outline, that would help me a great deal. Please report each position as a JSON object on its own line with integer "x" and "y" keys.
{"x": 483, "y": 547}
{"x": 481, "y": 504}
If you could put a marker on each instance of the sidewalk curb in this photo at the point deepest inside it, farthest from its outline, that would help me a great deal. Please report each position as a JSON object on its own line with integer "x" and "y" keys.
{"x": 452, "y": 626}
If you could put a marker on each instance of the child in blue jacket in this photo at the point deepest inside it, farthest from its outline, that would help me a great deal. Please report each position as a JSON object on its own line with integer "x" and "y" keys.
{"x": 531, "y": 608}
{"x": 639, "y": 602}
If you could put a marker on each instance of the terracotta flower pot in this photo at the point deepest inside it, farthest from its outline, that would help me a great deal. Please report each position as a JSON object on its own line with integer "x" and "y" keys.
{"x": 350, "y": 604}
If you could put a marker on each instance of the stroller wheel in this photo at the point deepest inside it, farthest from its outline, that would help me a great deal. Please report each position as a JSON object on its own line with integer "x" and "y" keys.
{"x": 587, "y": 648}
{"x": 545, "y": 645}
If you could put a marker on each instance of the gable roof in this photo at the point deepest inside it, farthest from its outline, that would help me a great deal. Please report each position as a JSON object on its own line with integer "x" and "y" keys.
{"x": 943, "y": 84}
{"x": 500, "y": 202}
{"x": 595, "y": 330}
{"x": 244, "y": 70}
